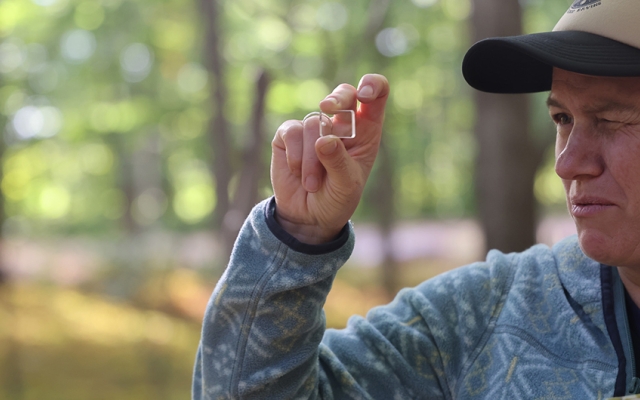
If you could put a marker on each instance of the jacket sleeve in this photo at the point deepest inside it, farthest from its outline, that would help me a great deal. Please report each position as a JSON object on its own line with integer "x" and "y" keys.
{"x": 262, "y": 331}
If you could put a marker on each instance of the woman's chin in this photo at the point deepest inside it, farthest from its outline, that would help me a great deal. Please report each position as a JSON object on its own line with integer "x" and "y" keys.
{"x": 609, "y": 249}
{"x": 598, "y": 247}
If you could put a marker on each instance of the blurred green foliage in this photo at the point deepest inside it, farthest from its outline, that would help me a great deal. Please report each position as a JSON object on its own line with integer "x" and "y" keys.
{"x": 96, "y": 92}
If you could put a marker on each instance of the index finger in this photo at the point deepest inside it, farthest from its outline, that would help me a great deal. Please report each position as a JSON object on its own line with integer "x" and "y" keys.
{"x": 372, "y": 92}
{"x": 343, "y": 97}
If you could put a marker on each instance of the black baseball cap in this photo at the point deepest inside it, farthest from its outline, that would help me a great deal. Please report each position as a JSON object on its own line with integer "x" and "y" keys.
{"x": 594, "y": 37}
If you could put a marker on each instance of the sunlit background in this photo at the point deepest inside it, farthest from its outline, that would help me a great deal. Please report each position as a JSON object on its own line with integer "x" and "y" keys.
{"x": 113, "y": 229}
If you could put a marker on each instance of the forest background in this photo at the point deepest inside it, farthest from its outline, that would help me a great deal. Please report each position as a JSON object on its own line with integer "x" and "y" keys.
{"x": 135, "y": 140}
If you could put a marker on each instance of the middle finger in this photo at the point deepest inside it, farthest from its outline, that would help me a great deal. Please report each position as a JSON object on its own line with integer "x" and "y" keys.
{"x": 312, "y": 170}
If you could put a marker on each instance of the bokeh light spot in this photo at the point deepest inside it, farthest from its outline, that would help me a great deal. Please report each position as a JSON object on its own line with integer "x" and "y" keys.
{"x": 136, "y": 61}
{"x": 77, "y": 46}
{"x": 55, "y": 201}
{"x": 281, "y": 98}
{"x": 172, "y": 35}
{"x": 392, "y": 42}
{"x": 302, "y": 18}
{"x": 14, "y": 184}
{"x": 192, "y": 77}
{"x": 28, "y": 122}
{"x": 128, "y": 113}
{"x": 45, "y": 3}
{"x": 52, "y": 121}
{"x": 32, "y": 121}
{"x": 12, "y": 56}
{"x": 11, "y": 13}
{"x": 332, "y": 16}
{"x": 193, "y": 203}
{"x": 310, "y": 93}
{"x": 548, "y": 187}
{"x": 457, "y": 9}
{"x": 273, "y": 33}
{"x": 194, "y": 196}
{"x": 424, "y": 3}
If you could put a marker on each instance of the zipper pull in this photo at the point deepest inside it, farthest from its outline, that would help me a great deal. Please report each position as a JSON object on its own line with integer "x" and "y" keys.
{"x": 635, "y": 385}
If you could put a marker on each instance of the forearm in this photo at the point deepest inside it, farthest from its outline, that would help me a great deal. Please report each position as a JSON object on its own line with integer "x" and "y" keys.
{"x": 264, "y": 321}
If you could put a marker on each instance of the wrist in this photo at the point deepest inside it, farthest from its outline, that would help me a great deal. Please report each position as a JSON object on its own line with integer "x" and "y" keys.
{"x": 308, "y": 234}
{"x": 294, "y": 244}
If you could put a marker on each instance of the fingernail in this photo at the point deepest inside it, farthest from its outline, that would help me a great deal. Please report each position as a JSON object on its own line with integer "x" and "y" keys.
{"x": 311, "y": 183}
{"x": 329, "y": 147}
{"x": 365, "y": 91}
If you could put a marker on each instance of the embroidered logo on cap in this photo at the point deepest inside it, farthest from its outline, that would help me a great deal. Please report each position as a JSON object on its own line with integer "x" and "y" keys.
{"x": 581, "y": 5}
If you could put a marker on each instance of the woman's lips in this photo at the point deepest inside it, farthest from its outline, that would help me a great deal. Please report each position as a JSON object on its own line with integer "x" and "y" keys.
{"x": 587, "y": 207}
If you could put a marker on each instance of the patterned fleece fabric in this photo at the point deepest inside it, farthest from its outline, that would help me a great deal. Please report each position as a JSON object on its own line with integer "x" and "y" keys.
{"x": 525, "y": 325}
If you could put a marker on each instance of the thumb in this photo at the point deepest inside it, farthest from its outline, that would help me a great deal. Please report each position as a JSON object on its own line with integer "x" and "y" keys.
{"x": 335, "y": 159}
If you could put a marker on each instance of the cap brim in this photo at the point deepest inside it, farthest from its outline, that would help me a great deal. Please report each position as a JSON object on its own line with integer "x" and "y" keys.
{"x": 523, "y": 64}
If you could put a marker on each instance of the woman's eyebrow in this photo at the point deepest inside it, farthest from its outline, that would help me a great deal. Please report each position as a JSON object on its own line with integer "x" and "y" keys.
{"x": 601, "y": 106}
{"x": 552, "y": 102}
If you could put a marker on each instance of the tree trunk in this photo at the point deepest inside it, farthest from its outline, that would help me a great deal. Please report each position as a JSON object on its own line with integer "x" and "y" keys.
{"x": 218, "y": 124}
{"x": 253, "y": 168}
{"x": 507, "y": 157}
{"x": 126, "y": 182}
{"x": 383, "y": 202}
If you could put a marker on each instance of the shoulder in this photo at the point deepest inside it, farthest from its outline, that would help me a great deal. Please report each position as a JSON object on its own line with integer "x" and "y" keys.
{"x": 488, "y": 281}
{"x": 476, "y": 297}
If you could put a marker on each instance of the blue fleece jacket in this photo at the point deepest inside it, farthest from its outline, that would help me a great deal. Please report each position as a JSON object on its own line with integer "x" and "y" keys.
{"x": 540, "y": 324}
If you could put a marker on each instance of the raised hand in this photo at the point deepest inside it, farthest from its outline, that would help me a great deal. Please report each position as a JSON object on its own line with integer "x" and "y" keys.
{"x": 318, "y": 181}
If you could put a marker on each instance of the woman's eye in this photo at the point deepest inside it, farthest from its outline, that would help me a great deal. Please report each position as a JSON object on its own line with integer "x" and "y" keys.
{"x": 561, "y": 119}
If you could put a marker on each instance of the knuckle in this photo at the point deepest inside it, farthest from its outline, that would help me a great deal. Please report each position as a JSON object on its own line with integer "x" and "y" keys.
{"x": 344, "y": 86}
{"x": 276, "y": 140}
{"x": 290, "y": 130}
{"x": 289, "y": 125}
{"x": 277, "y": 143}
